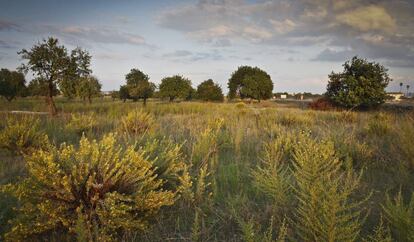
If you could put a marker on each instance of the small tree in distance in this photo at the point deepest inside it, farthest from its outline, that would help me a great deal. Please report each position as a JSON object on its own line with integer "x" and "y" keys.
{"x": 250, "y": 82}
{"x": 175, "y": 87}
{"x": 209, "y": 91}
{"x": 361, "y": 84}
{"x": 12, "y": 84}
{"x": 123, "y": 93}
{"x": 89, "y": 87}
{"x": 139, "y": 86}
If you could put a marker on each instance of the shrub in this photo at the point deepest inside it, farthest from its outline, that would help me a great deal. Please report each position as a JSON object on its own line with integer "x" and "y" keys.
{"x": 241, "y": 105}
{"x": 80, "y": 123}
{"x": 272, "y": 176}
{"x": 100, "y": 186}
{"x": 22, "y": 135}
{"x": 325, "y": 211}
{"x": 136, "y": 123}
{"x": 321, "y": 104}
{"x": 379, "y": 124}
{"x": 400, "y": 216}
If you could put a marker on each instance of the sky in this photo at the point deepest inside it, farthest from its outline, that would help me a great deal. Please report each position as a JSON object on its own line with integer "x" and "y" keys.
{"x": 298, "y": 42}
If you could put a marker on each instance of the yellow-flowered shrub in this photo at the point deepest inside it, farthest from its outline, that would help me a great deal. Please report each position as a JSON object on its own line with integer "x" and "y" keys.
{"x": 80, "y": 123}
{"x": 100, "y": 187}
{"x": 22, "y": 135}
{"x": 136, "y": 122}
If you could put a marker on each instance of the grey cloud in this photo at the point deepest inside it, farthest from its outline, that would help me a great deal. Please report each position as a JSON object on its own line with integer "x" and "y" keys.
{"x": 186, "y": 56}
{"x": 87, "y": 34}
{"x": 8, "y": 44}
{"x": 8, "y": 25}
{"x": 378, "y": 29}
{"x": 334, "y": 55}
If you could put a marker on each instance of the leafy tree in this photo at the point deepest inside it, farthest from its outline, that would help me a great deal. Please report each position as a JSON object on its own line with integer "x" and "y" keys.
{"x": 361, "y": 84}
{"x": 139, "y": 86}
{"x": 123, "y": 93}
{"x": 12, "y": 84}
{"x": 209, "y": 91}
{"x": 79, "y": 67}
{"x": 114, "y": 95}
{"x": 89, "y": 87}
{"x": 250, "y": 82}
{"x": 39, "y": 87}
{"x": 175, "y": 87}
{"x": 50, "y": 62}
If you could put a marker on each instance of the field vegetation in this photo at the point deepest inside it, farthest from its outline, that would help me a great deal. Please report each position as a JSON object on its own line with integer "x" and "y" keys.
{"x": 197, "y": 171}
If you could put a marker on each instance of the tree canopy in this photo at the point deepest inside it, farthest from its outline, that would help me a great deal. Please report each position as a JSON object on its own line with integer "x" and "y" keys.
{"x": 12, "y": 84}
{"x": 50, "y": 62}
{"x": 139, "y": 86}
{"x": 361, "y": 84}
{"x": 250, "y": 82}
{"x": 209, "y": 91}
{"x": 175, "y": 87}
{"x": 88, "y": 88}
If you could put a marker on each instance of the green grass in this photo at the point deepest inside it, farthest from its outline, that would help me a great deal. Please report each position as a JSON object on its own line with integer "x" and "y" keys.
{"x": 378, "y": 145}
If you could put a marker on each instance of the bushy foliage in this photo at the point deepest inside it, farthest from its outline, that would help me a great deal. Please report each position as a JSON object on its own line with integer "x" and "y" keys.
{"x": 107, "y": 189}
{"x": 175, "y": 87}
{"x": 22, "y": 135}
{"x": 379, "y": 124}
{"x": 325, "y": 211}
{"x": 250, "y": 82}
{"x": 209, "y": 91}
{"x": 361, "y": 84}
{"x": 80, "y": 123}
{"x": 136, "y": 123}
{"x": 88, "y": 88}
{"x": 321, "y": 104}
{"x": 12, "y": 84}
{"x": 139, "y": 86}
{"x": 400, "y": 216}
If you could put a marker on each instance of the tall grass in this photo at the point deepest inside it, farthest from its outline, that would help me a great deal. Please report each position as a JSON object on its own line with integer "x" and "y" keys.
{"x": 244, "y": 167}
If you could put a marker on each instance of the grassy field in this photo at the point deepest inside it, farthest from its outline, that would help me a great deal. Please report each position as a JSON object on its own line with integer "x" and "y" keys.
{"x": 267, "y": 163}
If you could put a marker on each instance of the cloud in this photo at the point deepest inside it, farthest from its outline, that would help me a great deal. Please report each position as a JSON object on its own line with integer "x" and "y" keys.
{"x": 8, "y": 44}
{"x": 186, "y": 56}
{"x": 6, "y": 25}
{"x": 100, "y": 35}
{"x": 373, "y": 29}
{"x": 368, "y": 18}
{"x": 334, "y": 55}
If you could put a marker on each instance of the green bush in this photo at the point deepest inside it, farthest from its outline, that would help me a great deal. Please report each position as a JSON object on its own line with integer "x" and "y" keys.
{"x": 400, "y": 217}
{"x": 22, "y": 135}
{"x": 101, "y": 187}
{"x": 81, "y": 123}
{"x": 136, "y": 123}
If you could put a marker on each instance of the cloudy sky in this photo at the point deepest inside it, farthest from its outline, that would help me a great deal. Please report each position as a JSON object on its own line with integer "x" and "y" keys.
{"x": 298, "y": 42}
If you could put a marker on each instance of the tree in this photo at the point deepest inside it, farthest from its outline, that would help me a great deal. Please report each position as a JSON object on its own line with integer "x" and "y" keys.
{"x": 139, "y": 86}
{"x": 79, "y": 67}
{"x": 123, "y": 93}
{"x": 175, "y": 87}
{"x": 250, "y": 82}
{"x": 209, "y": 91}
{"x": 50, "y": 62}
{"x": 401, "y": 84}
{"x": 89, "y": 87}
{"x": 408, "y": 88}
{"x": 361, "y": 84}
{"x": 12, "y": 84}
{"x": 39, "y": 87}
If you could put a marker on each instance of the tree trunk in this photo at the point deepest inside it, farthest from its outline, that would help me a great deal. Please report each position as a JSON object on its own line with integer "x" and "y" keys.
{"x": 49, "y": 100}
{"x": 171, "y": 99}
{"x": 145, "y": 102}
{"x": 89, "y": 100}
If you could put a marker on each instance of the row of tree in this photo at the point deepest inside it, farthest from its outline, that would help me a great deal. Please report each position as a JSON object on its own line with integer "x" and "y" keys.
{"x": 245, "y": 82}
{"x": 361, "y": 84}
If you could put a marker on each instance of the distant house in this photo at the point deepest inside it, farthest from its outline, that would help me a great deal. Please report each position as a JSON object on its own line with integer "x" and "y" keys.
{"x": 395, "y": 96}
